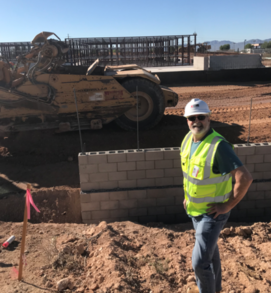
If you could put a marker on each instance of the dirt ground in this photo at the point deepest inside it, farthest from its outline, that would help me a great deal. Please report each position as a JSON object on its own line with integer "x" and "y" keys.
{"x": 46, "y": 159}
{"x": 128, "y": 257}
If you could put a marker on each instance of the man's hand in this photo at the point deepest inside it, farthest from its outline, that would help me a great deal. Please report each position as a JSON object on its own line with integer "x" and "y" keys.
{"x": 184, "y": 204}
{"x": 243, "y": 179}
{"x": 218, "y": 208}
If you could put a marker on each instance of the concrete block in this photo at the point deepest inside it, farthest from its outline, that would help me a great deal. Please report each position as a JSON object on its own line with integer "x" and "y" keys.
{"x": 82, "y": 159}
{"x": 138, "y": 212}
{"x": 166, "y": 219}
{"x": 115, "y": 158}
{"x": 118, "y": 213}
{"x": 145, "y": 182}
{"x": 178, "y": 180}
{"x": 267, "y": 158}
{"x": 175, "y": 191}
{"x": 137, "y": 194}
{"x": 266, "y": 175}
{"x": 99, "y": 196}
{"x": 246, "y": 150}
{"x": 85, "y": 197}
{"x": 127, "y": 166}
{"x": 97, "y": 159}
{"x": 165, "y": 201}
{"x": 257, "y": 175}
{"x": 183, "y": 218}
{"x": 109, "y": 205}
{"x": 154, "y": 155}
{"x": 164, "y": 181}
{"x": 252, "y": 187}
{"x": 250, "y": 167}
{"x": 173, "y": 172}
{"x": 89, "y": 222}
{"x": 141, "y": 174}
{"x": 264, "y": 203}
{"x": 128, "y": 204}
{"x": 127, "y": 184}
{"x": 135, "y": 157}
{"x": 263, "y": 167}
{"x": 177, "y": 163}
{"x": 162, "y": 164}
{"x": 173, "y": 154}
{"x": 116, "y": 176}
{"x": 246, "y": 204}
{"x": 176, "y": 209}
{"x": 251, "y": 213}
{"x": 145, "y": 165}
{"x": 267, "y": 194}
{"x": 252, "y": 195}
{"x": 88, "y": 169}
{"x": 263, "y": 150}
{"x": 83, "y": 178}
{"x": 238, "y": 214}
{"x": 109, "y": 185}
{"x": 263, "y": 186}
{"x": 156, "y": 211}
{"x": 159, "y": 173}
{"x": 254, "y": 159}
{"x": 107, "y": 167}
{"x": 86, "y": 216}
{"x": 98, "y": 177}
{"x": 179, "y": 200}
{"x": 100, "y": 215}
{"x": 90, "y": 206}
{"x": 146, "y": 219}
{"x": 156, "y": 193}
{"x": 242, "y": 159}
{"x": 146, "y": 202}
{"x": 118, "y": 195}
{"x": 86, "y": 186}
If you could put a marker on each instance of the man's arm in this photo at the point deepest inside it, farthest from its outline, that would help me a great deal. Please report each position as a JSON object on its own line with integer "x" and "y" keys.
{"x": 243, "y": 179}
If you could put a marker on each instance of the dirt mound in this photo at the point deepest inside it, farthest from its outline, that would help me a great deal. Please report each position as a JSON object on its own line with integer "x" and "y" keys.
{"x": 128, "y": 257}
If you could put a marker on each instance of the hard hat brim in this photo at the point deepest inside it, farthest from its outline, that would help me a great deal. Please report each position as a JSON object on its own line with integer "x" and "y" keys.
{"x": 197, "y": 113}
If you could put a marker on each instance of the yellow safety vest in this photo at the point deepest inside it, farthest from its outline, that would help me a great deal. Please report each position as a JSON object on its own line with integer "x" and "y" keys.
{"x": 201, "y": 185}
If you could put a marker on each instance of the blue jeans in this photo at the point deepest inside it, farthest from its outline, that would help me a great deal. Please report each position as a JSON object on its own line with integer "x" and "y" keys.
{"x": 205, "y": 257}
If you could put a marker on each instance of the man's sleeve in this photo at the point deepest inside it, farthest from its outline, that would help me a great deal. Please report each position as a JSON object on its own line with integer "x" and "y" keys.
{"x": 225, "y": 159}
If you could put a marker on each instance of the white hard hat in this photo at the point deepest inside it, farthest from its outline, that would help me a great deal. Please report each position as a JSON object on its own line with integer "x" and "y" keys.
{"x": 195, "y": 107}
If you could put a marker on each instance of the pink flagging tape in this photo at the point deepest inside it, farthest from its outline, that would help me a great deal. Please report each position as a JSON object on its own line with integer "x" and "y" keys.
{"x": 14, "y": 273}
{"x": 29, "y": 200}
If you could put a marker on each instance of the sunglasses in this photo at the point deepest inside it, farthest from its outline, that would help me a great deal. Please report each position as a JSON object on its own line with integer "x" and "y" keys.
{"x": 193, "y": 118}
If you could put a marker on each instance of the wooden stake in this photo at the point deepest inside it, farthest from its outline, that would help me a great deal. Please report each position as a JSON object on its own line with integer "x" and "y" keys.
{"x": 23, "y": 239}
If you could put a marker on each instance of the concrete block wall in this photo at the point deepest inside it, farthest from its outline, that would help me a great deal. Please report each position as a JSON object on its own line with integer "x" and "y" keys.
{"x": 146, "y": 185}
{"x": 235, "y": 62}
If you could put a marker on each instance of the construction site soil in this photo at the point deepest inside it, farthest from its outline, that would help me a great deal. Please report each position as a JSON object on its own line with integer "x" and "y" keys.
{"x": 124, "y": 256}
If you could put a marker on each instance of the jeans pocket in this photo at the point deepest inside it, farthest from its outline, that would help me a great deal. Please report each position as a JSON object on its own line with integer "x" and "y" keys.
{"x": 223, "y": 217}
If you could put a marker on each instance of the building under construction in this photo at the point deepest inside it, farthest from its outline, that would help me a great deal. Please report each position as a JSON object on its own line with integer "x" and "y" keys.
{"x": 144, "y": 51}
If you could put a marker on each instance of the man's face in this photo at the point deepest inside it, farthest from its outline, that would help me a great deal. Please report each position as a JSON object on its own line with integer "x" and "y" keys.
{"x": 199, "y": 127}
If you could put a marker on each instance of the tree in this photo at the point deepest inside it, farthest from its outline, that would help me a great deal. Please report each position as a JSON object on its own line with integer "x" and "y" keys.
{"x": 225, "y": 47}
{"x": 266, "y": 45}
{"x": 248, "y": 46}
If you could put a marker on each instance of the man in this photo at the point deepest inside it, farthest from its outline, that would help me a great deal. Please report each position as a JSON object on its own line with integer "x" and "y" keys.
{"x": 208, "y": 164}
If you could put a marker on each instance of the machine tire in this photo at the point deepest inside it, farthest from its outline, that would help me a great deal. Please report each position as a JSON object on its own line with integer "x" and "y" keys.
{"x": 153, "y": 105}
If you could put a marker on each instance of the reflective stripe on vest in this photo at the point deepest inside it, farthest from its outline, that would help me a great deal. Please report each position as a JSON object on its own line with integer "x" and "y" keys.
{"x": 208, "y": 180}
{"x": 210, "y": 199}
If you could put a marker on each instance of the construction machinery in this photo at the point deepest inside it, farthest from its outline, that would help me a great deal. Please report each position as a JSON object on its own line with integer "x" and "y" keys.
{"x": 40, "y": 91}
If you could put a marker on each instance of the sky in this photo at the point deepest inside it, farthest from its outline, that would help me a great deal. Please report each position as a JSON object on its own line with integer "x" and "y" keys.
{"x": 233, "y": 20}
